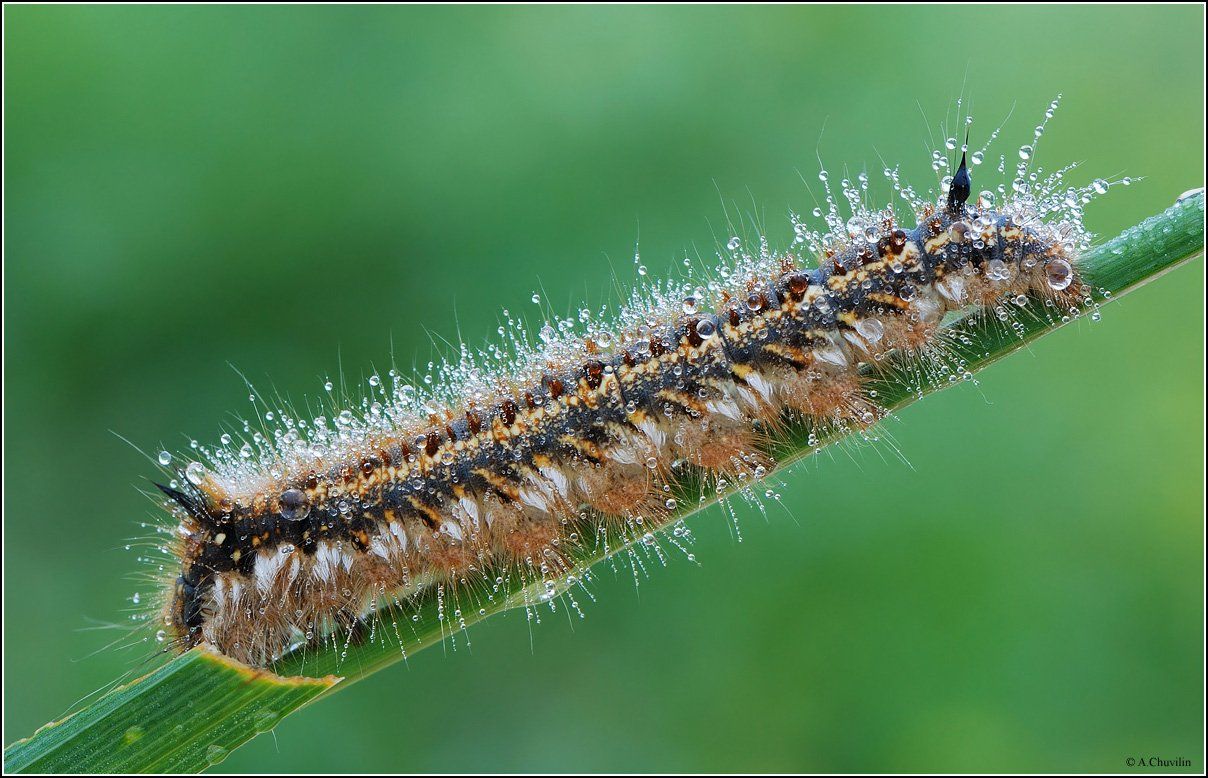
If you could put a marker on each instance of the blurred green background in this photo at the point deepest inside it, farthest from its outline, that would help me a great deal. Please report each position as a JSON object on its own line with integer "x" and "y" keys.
{"x": 288, "y": 188}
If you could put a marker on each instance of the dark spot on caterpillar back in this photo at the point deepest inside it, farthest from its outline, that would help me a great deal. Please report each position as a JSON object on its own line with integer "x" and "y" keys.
{"x": 594, "y": 374}
{"x": 474, "y": 420}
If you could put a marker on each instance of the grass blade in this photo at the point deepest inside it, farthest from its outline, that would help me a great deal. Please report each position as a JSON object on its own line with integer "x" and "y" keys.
{"x": 186, "y": 715}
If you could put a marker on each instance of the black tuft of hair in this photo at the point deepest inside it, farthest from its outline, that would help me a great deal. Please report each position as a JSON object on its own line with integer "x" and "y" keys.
{"x": 191, "y": 503}
{"x": 958, "y": 190}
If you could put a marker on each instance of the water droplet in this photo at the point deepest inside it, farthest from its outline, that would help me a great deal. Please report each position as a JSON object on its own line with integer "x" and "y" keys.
{"x": 195, "y": 473}
{"x": 705, "y": 328}
{"x": 1060, "y": 274}
{"x": 294, "y": 505}
{"x": 265, "y": 720}
{"x": 997, "y": 270}
{"x": 164, "y": 458}
{"x": 216, "y": 753}
{"x": 870, "y": 329}
{"x": 734, "y": 243}
{"x": 1190, "y": 193}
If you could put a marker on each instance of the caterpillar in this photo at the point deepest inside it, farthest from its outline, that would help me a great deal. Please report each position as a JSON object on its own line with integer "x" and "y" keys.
{"x": 527, "y": 451}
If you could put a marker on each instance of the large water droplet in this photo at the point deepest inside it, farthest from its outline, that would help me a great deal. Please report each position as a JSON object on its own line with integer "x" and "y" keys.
{"x": 195, "y": 473}
{"x": 294, "y": 505}
{"x": 870, "y": 329}
{"x": 1060, "y": 274}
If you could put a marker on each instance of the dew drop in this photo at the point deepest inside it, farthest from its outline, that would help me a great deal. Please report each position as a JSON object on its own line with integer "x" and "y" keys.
{"x": 265, "y": 720}
{"x": 997, "y": 270}
{"x": 195, "y": 473}
{"x": 1189, "y": 194}
{"x": 1060, "y": 274}
{"x": 216, "y": 753}
{"x": 294, "y": 506}
{"x": 870, "y": 329}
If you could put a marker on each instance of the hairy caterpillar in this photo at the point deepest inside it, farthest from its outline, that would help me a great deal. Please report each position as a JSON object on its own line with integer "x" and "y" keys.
{"x": 522, "y": 455}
